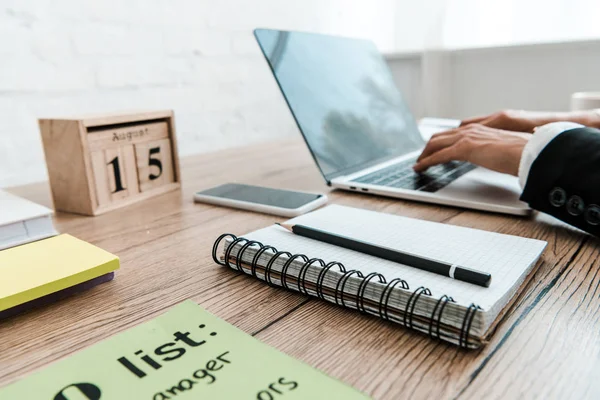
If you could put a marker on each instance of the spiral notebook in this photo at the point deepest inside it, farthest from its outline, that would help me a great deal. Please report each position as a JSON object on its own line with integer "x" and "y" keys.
{"x": 441, "y": 307}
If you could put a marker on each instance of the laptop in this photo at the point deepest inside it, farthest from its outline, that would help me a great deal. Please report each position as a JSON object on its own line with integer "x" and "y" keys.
{"x": 360, "y": 131}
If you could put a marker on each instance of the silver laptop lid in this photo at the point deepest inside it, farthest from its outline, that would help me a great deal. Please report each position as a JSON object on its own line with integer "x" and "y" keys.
{"x": 343, "y": 98}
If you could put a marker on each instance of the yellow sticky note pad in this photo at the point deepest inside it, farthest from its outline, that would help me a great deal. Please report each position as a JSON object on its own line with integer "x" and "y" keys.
{"x": 186, "y": 353}
{"x": 40, "y": 268}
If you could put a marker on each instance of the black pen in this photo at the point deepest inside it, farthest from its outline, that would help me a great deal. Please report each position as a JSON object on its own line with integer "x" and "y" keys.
{"x": 453, "y": 271}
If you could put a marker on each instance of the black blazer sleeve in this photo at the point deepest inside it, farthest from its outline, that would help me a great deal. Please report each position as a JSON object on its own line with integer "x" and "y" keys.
{"x": 564, "y": 180}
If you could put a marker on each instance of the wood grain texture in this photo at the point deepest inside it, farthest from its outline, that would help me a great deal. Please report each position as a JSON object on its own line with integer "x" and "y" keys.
{"x": 174, "y": 149}
{"x": 65, "y": 160}
{"x": 93, "y": 120}
{"x": 546, "y": 346}
{"x": 100, "y": 180}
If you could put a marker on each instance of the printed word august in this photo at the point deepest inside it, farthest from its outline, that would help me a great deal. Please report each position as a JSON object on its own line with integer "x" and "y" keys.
{"x": 129, "y": 135}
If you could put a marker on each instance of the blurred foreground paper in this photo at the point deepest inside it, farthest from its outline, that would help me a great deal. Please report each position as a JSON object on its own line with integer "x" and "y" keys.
{"x": 186, "y": 353}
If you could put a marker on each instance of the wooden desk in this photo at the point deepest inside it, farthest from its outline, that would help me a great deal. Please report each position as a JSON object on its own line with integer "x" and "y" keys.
{"x": 548, "y": 345}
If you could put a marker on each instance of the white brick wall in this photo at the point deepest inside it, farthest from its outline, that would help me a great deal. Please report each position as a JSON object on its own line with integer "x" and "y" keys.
{"x": 198, "y": 57}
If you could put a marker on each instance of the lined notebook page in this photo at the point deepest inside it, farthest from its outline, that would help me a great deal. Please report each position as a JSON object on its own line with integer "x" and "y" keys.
{"x": 507, "y": 258}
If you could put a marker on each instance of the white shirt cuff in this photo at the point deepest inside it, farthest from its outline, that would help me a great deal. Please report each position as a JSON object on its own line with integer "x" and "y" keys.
{"x": 542, "y": 136}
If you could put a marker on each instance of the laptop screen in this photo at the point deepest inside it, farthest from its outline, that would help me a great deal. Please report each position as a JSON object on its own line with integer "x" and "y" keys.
{"x": 343, "y": 98}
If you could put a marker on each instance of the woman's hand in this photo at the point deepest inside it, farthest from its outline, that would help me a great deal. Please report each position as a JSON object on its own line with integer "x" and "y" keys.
{"x": 515, "y": 120}
{"x": 495, "y": 149}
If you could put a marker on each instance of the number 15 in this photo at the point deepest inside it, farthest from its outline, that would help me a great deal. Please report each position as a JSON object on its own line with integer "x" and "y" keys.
{"x": 151, "y": 162}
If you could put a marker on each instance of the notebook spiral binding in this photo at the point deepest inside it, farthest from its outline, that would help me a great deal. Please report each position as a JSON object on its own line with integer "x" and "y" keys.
{"x": 434, "y": 320}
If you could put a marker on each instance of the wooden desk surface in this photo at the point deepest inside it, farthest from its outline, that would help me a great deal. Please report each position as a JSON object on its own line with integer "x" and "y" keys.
{"x": 548, "y": 345}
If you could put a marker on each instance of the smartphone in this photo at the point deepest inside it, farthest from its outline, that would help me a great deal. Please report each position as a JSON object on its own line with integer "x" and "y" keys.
{"x": 285, "y": 203}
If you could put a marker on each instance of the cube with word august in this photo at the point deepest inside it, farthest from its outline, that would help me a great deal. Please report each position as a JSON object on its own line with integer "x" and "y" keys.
{"x": 100, "y": 163}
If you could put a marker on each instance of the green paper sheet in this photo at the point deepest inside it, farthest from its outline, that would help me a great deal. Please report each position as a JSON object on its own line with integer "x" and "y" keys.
{"x": 186, "y": 353}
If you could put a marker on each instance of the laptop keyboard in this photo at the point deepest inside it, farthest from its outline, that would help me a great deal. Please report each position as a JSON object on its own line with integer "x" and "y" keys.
{"x": 402, "y": 176}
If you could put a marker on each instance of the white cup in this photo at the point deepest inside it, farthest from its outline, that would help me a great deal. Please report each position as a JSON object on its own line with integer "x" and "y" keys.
{"x": 585, "y": 101}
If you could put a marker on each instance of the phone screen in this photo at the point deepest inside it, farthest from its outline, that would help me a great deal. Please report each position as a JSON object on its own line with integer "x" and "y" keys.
{"x": 261, "y": 195}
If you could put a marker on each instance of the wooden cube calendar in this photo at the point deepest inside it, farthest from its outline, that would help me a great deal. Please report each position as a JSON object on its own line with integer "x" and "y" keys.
{"x": 100, "y": 163}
